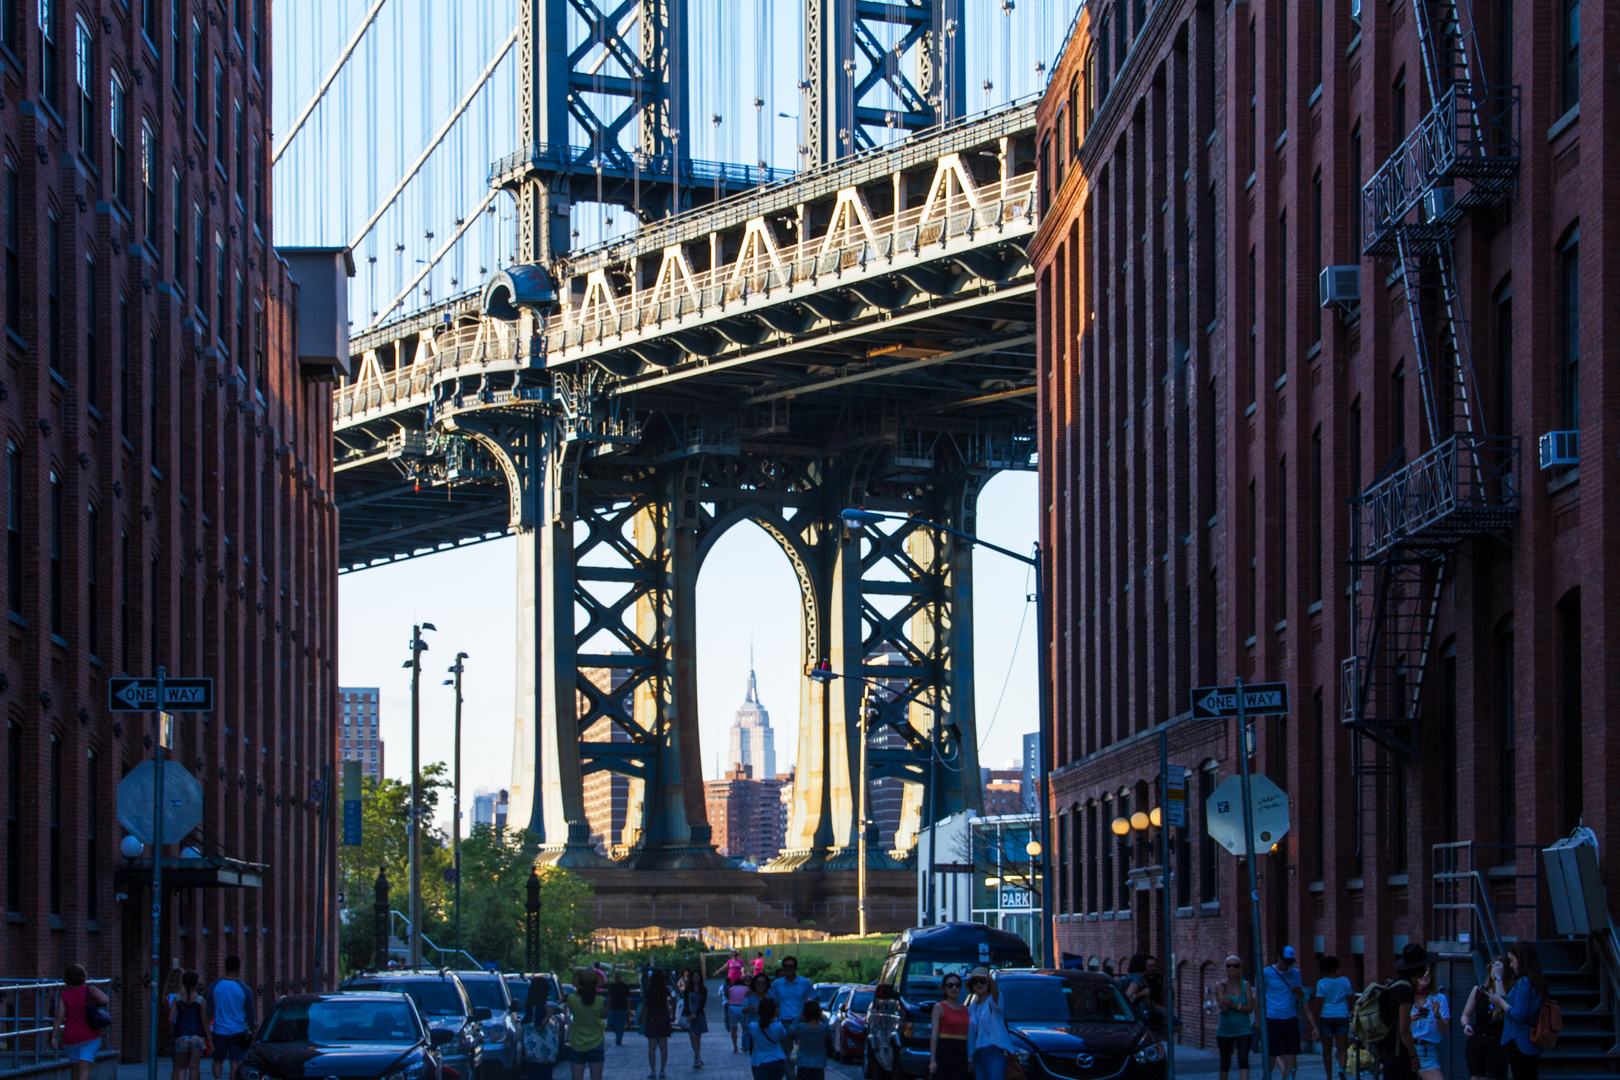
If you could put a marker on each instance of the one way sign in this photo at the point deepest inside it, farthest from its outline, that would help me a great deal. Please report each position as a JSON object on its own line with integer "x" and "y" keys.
{"x": 179, "y": 695}
{"x": 1212, "y": 702}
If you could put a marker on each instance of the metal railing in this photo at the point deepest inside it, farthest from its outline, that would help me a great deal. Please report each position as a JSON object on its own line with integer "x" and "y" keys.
{"x": 619, "y": 162}
{"x": 1471, "y": 134}
{"x": 1463, "y": 487}
{"x": 630, "y": 913}
{"x": 453, "y": 954}
{"x": 1463, "y": 909}
{"x": 28, "y": 1019}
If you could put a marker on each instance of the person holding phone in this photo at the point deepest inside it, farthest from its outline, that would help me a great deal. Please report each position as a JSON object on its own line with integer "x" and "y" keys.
{"x": 1482, "y": 1024}
{"x": 1431, "y": 1019}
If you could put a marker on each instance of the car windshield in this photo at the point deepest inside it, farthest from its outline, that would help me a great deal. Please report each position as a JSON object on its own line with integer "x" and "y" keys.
{"x": 485, "y": 994}
{"x": 826, "y": 994}
{"x": 336, "y": 1021}
{"x": 925, "y": 973}
{"x": 1062, "y": 1001}
{"x": 861, "y": 1002}
{"x": 433, "y": 998}
{"x": 519, "y": 992}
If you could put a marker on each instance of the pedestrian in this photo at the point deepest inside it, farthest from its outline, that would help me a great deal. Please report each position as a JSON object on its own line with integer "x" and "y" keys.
{"x": 948, "y": 1032}
{"x": 1234, "y": 1032}
{"x": 734, "y": 968}
{"x": 174, "y": 984}
{"x": 988, "y": 1043}
{"x": 189, "y": 1023}
{"x": 790, "y": 993}
{"x": 768, "y": 1058}
{"x": 1431, "y": 1019}
{"x": 542, "y": 1039}
{"x": 1332, "y": 1003}
{"x": 1397, "y": 1054}
{"x": 1519, "y": 1008}
{"x": 759, "y": 963}
{"x": 810, "y": 1034}
{"x": 759, "y": 990}
{"x": 1284, "y": 994}
{"x": 75, "y": 1033}
{"x": 1482, "y": 1024}
{"x": 658, "y": 1022}
{"x": 230, "y": 1003}
{"x": 697, "y": 1015}
{"x": 586, "y": 1033}
{"x": 618, "y": 1003}
{"x": 736, "y": 1001}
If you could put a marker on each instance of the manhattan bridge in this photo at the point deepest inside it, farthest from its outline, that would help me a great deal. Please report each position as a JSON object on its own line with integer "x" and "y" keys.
{"x": 766, "y": 346}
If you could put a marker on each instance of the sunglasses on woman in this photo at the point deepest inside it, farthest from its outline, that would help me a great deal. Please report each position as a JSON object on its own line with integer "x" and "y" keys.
{"x": 953, "y": 985}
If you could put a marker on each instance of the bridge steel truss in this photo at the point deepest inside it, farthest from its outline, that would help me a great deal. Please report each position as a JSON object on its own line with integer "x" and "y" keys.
{"x": 862, "y": 335}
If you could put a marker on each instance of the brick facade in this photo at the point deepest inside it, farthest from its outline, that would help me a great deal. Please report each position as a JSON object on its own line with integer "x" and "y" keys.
{"x": 167, "y": 492}
{"x": 1204, "y": 423}
{"x": 748, "y": 815}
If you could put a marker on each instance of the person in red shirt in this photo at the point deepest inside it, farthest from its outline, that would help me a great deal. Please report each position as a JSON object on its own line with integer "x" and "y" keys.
{"x": 73, "y": 1033}
{"x": 759, "y": 963}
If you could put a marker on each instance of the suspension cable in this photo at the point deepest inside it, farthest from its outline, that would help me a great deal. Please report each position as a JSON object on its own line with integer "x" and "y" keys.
{"x": 331, "y": 77}
{"x": 438, "y": 137}
{"x": 466, "y": 223}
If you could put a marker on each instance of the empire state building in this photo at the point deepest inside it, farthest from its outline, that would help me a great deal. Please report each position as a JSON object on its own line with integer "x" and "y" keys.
{"x": 752, "y": 741}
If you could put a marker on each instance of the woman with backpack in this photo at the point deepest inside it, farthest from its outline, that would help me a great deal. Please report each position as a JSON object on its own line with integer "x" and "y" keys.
{"x": 1520, "y": 1007}
{"x": 1234, "y": 997}
{"x": 1482, "y": 1023}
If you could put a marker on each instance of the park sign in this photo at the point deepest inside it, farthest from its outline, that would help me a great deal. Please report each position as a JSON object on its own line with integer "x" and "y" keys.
{"x": 1215, "y": 702}
{"x": 179, "y": 695}
{"x": 1223, "y": 812}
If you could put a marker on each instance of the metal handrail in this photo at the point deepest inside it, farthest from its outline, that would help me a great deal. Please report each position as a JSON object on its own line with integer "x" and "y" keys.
{"x": 616, "y": 159}
{"x": 1464, "y": 890}
{"x": 1442, "y": 493}
{"x": 40, "y": 1018}
{"x": 402, "y": 917}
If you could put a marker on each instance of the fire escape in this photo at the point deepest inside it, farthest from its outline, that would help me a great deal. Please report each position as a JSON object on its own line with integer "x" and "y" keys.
{"x": 1463, "y": 157}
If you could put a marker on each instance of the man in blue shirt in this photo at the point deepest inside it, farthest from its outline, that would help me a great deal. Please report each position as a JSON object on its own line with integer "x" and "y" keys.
{"x": 790, "y": 993}
{"x": 1284, "y": 994}
{"x": 231, "y": 1004}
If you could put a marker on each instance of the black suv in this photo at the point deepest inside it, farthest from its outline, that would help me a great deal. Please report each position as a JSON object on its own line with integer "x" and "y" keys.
{"x": 445, "y": 1006}
{"x": 358, "y": 1036}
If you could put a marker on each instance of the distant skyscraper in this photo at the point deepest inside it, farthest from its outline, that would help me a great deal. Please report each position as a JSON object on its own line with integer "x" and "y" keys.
{"x": 358, "y": 739}
{"x": 607, "y": 794}
{"x": 752, "y": 741}
{"x": 746, "y": 815}
{"x": 490, "y": 809}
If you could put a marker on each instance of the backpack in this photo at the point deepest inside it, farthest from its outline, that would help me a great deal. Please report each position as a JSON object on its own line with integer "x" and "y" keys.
{"x": 1367, "y": 1022}
{"x": 1548, "y": 1023}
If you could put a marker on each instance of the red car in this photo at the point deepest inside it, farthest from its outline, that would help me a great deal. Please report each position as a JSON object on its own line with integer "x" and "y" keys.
{"x": 846, "y": 1032}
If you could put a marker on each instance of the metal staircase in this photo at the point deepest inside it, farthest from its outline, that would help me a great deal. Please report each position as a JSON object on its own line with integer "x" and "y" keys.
{"x": 1463, "y": 157}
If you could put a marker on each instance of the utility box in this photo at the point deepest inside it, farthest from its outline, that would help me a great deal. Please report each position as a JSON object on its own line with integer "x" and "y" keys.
{"x": 323, "y": 275}
{"x": 1574, "y": 887}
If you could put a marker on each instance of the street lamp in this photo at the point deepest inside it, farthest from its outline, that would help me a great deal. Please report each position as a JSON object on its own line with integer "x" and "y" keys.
{"x": 456, "y": 669}
{"x": 418, "y": 647}
{"x": 856, "y": 518}
{"x": 531, "y": 920}
{"x": 1140, "y": 822}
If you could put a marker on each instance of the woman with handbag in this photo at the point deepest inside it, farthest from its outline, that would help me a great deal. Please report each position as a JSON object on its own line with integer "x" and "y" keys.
{"x": 189, "y": 1021}
{"x": 658, "y": 1024}
{"x": 542, "y": 1038}
{"x": 81, "y": 1015}
{"x": 989, "y": 1045}
{"x": 696, "y": 1000}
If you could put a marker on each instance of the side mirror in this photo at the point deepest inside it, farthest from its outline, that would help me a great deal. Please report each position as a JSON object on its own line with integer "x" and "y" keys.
{"x": 441, "y": 1037}
{"x": 482, "y": 1014}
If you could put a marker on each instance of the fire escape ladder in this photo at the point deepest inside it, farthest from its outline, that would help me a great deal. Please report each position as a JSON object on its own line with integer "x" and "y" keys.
{"x": 1446, "y": 34}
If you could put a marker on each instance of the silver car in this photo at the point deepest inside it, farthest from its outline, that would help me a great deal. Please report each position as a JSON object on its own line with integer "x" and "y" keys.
{"x": 503, "y": 1030}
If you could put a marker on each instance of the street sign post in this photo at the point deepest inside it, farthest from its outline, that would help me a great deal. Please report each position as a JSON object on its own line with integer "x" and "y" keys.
{"x": 1175, "y": 797}
{"x": 1269, "y": 812}
{"x": 180, "y": 805}
{"x": 1216, "y": 702}
{"x": 179, "y": 695}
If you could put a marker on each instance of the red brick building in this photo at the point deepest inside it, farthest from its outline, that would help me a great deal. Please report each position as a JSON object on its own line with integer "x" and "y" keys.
{"x": 747, "y": 814}
{"x": 167, "y": 430}
{"x": 1211, "y": 429}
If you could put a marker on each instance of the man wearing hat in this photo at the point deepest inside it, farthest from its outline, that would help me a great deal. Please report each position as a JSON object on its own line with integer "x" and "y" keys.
{"x": 1397, "y": 1053}
{"x": 1285, "y": 993}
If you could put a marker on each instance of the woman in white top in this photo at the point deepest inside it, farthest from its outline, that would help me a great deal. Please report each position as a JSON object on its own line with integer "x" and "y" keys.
{"x": 988, "y": 1041}
{"x": 1431, "y": 1019}
{"x": 1333, "y": 1001}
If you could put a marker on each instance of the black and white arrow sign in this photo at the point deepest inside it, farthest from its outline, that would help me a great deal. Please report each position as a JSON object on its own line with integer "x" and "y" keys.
{"x": 179, "y": 695}
{"x": 1211, "y": 702}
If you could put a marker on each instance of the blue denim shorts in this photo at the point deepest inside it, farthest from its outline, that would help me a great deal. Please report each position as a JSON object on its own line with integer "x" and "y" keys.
{"x": 84, "y": 1051}
{"x": 1428, "y": 1056}
{"x": 585, "y": 1057}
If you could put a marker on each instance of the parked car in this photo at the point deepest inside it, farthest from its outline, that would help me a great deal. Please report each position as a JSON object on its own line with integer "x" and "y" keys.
{"x": 360, "y": 1036}
{"x": 1076, "y": 1025}
{"x": 825, "y": 992}
{"x": 444, "y": 1005}
{"x": 899, "y": 1021}
{"x": 518, "y": 986}
{"x": 503, "y": 1031}
{"x": 846, "y": 1029}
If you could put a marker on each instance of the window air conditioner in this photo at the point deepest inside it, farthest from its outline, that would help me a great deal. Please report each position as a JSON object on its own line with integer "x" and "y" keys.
{"x": 1438, "y": 201}
{"x": 1339, "y": 286}
{"x": 1560, "y": 448}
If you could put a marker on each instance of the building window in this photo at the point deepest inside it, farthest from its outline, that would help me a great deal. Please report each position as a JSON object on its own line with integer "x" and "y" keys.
{"x": 9, "y": 17}
{"x": 1125, "y": 883}
{"x": 1397, "y": 410}
{"x": 86, "y": 70}
{"x": 1569, "y": 692}
{"x": 1282, "y": 68}
{"x": 1318, "y": 30}
{"x": 1319, "y": 855}
{"x": 1358, "y": 235}
{"x": 1397, "y": 109}
{"x": 197, "y": 67}
{"x": 1569, "y": 53}
{"x": 53, "y": 288}
{"x": 241, "y": 150}
{"x": 154, "y": 606}
{"x": 240, "y": 310}
{"x": 54, "y": 863}
{"x": 258, "y": 185}
{"x": 92, "y": 812}
{"x": 126, "y": 607}
{"x": 1288, "y": 294}
{"x": 1059, "y": 887}
{"x": 57, "y": 613}
{"x": 1106, "y": 843}
{"x": 219, "y": 113}
{"x": 14, "y": 529}
{"x": 1208, "y": 859}
{"x": 1317, "y": 539}
{"x": 1254, "y": 95}
{"x": 259, "y": 373}
{"x": 123, "y": 364}
{"x": 177, "y": 54}
{"x": 149, "y": 206}
{"x": 92, "y": 353}
{"x": 13, "y": 245}
{"x": 221, "y": 280}
{"x": 154, "y": 383}
{"x": 1569, "y": 333}
{"x": 1254, "y": 329}
{"x": 1282, "y": 539}
{"x": 1507, "y": 765}
{"x": 1316, "y": 242}
{"x": 14, "y": 840}
{"x": 47, "y": 54}
{"x": 119, "y": 102}
{"x": 92, "y": 580}
{"x": 199, "y": 256}
{"x": 179, "y": 209}
{"x": 149, "y": 17}
{"x": 1253, "y": 541}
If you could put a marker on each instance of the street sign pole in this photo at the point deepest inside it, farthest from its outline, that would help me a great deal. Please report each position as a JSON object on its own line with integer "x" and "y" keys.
{"x": 157, "y": 880}
{"x": 1254, "y": 877}
{"x": 1164, "y": 878}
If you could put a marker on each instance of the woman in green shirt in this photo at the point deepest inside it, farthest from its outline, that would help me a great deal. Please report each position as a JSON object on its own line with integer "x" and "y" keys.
{"x": 1235, "y": 1033}
{"x": 586, "y": 1009}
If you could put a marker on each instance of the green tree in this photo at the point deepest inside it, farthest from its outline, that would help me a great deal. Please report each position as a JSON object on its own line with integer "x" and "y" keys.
{"x": 494, "y": 897}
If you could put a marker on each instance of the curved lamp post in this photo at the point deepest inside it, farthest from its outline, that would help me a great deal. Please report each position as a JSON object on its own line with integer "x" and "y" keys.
{"x": 856, "y": 518}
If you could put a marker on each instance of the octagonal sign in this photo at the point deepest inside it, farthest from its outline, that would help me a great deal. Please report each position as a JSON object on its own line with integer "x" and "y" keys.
{"x": 1223, "y": 812}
